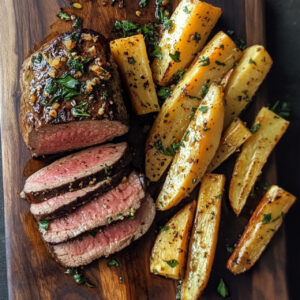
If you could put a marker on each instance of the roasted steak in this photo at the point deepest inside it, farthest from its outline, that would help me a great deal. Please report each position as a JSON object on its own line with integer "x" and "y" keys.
{"x": 108, "y": 240}
{"x": 71, "y": 95}
{"x": 63, "y": 204}
{"x": 76, "y": 171}
{"x": 120, "y": 202}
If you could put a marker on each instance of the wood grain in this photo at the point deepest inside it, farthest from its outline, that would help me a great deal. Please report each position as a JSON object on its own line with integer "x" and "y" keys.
{"x": 32, "y": 273}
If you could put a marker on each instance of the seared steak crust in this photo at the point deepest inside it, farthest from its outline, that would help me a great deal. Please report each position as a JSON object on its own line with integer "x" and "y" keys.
{"x": 106, "y": 241}
{"x": 71, "y": 79}
{"x": 91, "y": 166}
{"x": 118, "y": 203}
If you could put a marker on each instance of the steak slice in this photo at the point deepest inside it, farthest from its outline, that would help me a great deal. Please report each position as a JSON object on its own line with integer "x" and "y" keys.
{"x": 76, "y": 171}
{"x": 88, "y": 247}
{"x": 71, "y": 95}
{"x": 118, "y": 203}
{"x": 61, "y": 205}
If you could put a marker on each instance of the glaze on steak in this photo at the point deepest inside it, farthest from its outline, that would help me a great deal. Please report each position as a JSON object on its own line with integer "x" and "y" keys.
{"x": 76, "y": 171}
{"x": 71, "y": 95}
{"x": 90, "y": 246}
{"x": 120, "y": 202}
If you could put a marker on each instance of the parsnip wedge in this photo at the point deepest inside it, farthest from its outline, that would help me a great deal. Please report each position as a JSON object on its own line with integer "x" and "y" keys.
{"x": 169, "y": 126}
{"x": 131, "y": 57}
{"x": 197, "y": 149}
{"x": 235, "y": 135}
{"x": 245, "y": 80}
{"x": 204, "y": 237}
{"x": 264, "y": 222}
{"x": 192, "y": 23}
{"x": 268, "y": 128}
{"x": 170, "y": 249}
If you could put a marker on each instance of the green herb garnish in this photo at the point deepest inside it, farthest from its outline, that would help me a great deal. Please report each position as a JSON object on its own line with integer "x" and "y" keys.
{"x": 77, "y": 23}
{"x": 44, "y": 224}
{"x": 186, "y": 135}
{"x": 78, "y": 277}
{"x": 37, "y": 59}
{"x": 219, "y": 63}
{"x": 164, "y": 92}
{"x": 143, "y": 3}
{"x": 156, "y": 52}
{"x": 164, "y": 228}
{"x": 204, "y": 61}
{"x": 172, "y": 263}
{"x": 255, "y": 128}
{"x": 178, "y": 76}
{"x": 251, "y": 61}
{"x": 205, "y": 88}
{"x": 186, "y": 10}
{"x": 64, "y": 16}
{"x": 283, "y": 109}
{"x": 203, "y": 109}
{"x": 179, "y": 288}
{"x": 194, "y": 180}
{"x": 197, "y": 37}
{"x": 110, "y": 220}
{"x": 267, "y": 218}
{"x": 113, "y": 263}
{"x": 266, "y": 186}
{"x": 229, "y": 249}
{"x": 175, "y": 56}
{"x": 222, "y": 289}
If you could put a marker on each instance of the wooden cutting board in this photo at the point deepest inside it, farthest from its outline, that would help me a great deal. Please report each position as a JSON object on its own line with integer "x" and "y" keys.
{"x": 32, "y": 273}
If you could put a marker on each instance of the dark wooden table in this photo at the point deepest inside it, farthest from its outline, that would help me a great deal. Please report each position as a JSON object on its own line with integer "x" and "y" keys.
{"x": 282, "y": 33}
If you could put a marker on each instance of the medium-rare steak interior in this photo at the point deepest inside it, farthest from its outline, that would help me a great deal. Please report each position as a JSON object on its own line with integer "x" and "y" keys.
{"x": 71, "y": 95}
{"x": 76, "y": 171}
{"x": 120, "y": 202}
{"x": 107, "y": 240}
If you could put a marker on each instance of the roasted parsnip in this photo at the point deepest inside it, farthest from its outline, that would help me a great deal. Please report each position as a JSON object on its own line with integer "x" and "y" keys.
{"x": 204, "y": 237}
{"x": 170, "y": 249}
{"x": 131, "y": 56}
{"x": 192, "y": 22}
{"x": 198, "y": 147}
{"x": 211, "y": 65}
{"x": 245, "y": 80}
{"x": 235, "y": 135}
{"x": 267, "y": 130}
{"x": 265, "y": 221}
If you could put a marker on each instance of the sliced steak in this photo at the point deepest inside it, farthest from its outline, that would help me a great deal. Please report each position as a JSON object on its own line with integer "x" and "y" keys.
{"x": 66, "y": 203}
{"x": 88, "y": 247}
{"x": 76, "y": 171}
{"x": 71, "y": 95}
{"x": 118, "y": 203}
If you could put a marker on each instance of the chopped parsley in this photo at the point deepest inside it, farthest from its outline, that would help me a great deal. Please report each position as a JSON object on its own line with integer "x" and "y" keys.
{"x": 175, "y": 56}
{"x": 178, "y": 76}
{"x": 194, "y": 180}
{"x": 206, "y": 129}
{"x": 80, "y": 110}
{"x": 164, "y": 228}
{"x": 278, "y": 217}
{"x": 241, "y": 44}
{"x": 192, "y": 115}
{"x": 106, "y": 170}
{"x": 169, "y": 151}
{"x": 197, "y": 37}
{"x": 78, "y": 277}
{"x": 77, "y": 23}
{"x": 64, "y": 16}
{"x": 186, "y": 135}
{"x": 246, "y": 96}
{"x": 37, "y": 59}
{"x": 110, "y": 220}
{"x": 203, "y": 109}
{"x": 172, "y": 263}
{"x": 267, "y": 218}
{"x": 266, "y": 186}
{"x": 219, "y": 63}
{"x": 143, "y": 3}
{"x": 218, "y": 196}
{"x": 131, "y": 60}
{"x": 186, "y": 10}
{"x": 77, "y": 64}
{"x": 204, "y": 61}
{"x": 204, "y": 91}
{"x": 113, "y": 263}
{"x": 283, "y": 109}
{"x": 222, "y": 289}
{"x": 156, "y": 52}
{"x": 44, "y": 224}
{"x": 251, "y": 61}
{"x": 164, "y": 92}
{"x": 255, "y": 128}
